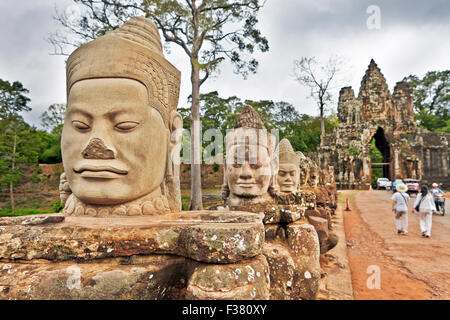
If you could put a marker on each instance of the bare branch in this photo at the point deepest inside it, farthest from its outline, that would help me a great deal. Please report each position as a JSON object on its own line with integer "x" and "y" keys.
{"x": 318, "y": 80}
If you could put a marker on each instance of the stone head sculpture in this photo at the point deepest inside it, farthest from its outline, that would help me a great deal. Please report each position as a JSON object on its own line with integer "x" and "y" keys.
{"x": 322, "y": 177}
{"x": 289, "y": 168}
{"x": 304, "y": 169}
{"x": 251, "y": 161}
{"x": 313, "y": 173}
{"x": 120, "y": 125}
{"x": 330, "y": 179}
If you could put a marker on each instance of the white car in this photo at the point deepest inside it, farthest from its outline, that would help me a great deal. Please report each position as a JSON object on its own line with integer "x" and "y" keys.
{"x": 413, "y": 185}
{"x": 383, "y": 183}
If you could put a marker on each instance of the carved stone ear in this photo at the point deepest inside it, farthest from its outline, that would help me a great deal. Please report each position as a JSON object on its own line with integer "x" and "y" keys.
{"x": 175, "y": 126}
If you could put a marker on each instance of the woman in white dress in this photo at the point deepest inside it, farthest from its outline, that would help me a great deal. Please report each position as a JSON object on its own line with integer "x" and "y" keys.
{"x": 425, "y": 206}
{"x": 400, "y": 201}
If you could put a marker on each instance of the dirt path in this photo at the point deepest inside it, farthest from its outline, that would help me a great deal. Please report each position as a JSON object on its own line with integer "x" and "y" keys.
{"x": 411, "y": 267}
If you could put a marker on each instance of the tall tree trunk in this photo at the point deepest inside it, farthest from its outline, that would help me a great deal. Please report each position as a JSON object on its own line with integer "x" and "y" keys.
{"x": 11, "y": 195}
{"x": 13, "y": 165}
{"x": 196, "y": 182}
{"x": 322, "y": 120}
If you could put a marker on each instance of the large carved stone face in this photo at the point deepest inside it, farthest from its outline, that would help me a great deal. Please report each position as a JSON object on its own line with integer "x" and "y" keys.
{"x": 288, "y": 177}
{"x": 114, "y": 145}
{"x": 249, "y": 177}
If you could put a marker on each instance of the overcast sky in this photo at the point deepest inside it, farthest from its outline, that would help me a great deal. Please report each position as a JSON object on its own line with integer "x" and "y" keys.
{"x": 413, "y": 38}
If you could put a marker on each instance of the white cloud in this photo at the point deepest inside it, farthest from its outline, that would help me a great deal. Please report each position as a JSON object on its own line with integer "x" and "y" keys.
{"x": 410, "y": 41}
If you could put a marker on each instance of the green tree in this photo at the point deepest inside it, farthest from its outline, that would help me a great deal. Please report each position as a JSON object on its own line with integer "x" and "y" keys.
{"x": 305, "y": 132}
{"x": 431, "y": 96}
{"x": 218, "y": 113}
{"x": 50, "y": 147}
{"x": 18, "y": 143}
{"x": 208, "y": 31}
{"x": 375, "y": 157}
{"x": 446, "y": 128}
{"x": 215, "y": 112}
{"x": 53, "y": 118}
{"x": 285, "y": 115}
{"x": 18, "y": 152}
{"x": 265, "y": 109}
{"x": 12, "y": 98}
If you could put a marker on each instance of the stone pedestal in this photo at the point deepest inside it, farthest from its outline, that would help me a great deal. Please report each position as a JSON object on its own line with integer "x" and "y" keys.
{"x": 190, "y": 255}
{"x": 294, "y": 262}
{"x": 292, "y": 251}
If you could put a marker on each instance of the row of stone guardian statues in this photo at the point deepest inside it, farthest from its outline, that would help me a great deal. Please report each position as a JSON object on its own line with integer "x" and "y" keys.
{"x": 122, "y": 234}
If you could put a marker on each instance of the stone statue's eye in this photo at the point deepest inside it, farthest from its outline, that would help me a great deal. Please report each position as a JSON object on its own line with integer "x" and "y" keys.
{"x": 282, "y": 173}
{"x": 255, "y": 166}
{"x": 126, "y": 125}
{"x": 236, "y": 165}
{"x": 80, "y": 125}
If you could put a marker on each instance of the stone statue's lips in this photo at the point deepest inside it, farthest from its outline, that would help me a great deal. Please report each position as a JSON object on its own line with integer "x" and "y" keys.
{"x": 246, "y": 184}
{"x": 99, "y": 171}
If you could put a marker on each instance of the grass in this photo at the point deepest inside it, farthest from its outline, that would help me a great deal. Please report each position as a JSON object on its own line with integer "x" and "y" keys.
{"x": 23, "y": 212}
{"x": 185, "y": 201}
{"x": 33, "y": 204}
{"x": 207, "y": 203}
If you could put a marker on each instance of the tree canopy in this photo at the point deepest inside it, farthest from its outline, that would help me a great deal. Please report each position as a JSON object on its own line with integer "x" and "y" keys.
{"x": 13, "y": 98}
{"x": 53, "y": 118}
{"x": 221, "y": 113}
{"x": 17, "y": 146}
{"x": 431, "y": 96}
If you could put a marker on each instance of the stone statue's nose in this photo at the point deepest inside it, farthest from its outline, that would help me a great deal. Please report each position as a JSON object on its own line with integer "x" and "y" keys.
{"x": 246, "y": 172}
{"x": 96, "y": 149}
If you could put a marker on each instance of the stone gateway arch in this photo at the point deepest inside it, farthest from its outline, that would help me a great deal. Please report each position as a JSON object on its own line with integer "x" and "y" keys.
{"x": 407, "y": 151}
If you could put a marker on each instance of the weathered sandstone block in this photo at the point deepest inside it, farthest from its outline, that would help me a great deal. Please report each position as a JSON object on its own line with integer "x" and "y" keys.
{"x": 282, "y": 270}
{"x": 248, "y": 279}
{"x": 321, "y": 226}
{"x": 52, "y": 257}
{"x": 303, "y": 240}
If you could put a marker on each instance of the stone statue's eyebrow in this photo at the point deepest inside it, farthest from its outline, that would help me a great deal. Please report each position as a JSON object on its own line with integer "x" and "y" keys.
{"x": 75, "y": 110}
{"x": 115, "y": 112}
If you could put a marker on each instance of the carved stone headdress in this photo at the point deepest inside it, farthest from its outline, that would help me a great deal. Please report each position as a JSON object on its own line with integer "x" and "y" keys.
{"x": 249, "y": 118}
{"x": 250, "y": 130}
{"x": 287, "y": 154}
{"x": 132, "y": 51}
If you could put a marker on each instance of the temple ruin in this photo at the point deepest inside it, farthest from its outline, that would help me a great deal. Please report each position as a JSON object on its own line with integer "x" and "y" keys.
{"x": 407, "y": 151}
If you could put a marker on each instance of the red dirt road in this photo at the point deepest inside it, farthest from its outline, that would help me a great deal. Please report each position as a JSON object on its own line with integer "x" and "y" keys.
{"x": 411, "y": 267}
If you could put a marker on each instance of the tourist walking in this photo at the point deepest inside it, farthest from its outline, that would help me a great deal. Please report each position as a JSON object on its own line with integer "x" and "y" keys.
{"x": 436, "y": 192}
{"x": 425, "y": 206}
{"x": 400, "y": 201}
